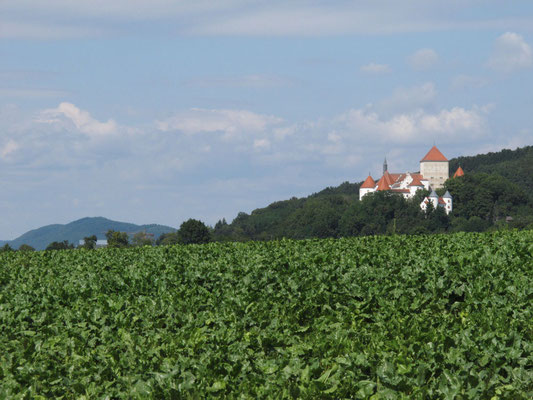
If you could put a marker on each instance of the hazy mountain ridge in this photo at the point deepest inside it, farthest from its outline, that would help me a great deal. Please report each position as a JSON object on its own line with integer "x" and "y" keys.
{"x": 74, "y": 231}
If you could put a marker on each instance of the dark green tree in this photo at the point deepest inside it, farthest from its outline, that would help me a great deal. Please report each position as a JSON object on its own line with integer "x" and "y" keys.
{"x": 193, "y": 231}
{"x": 6, "y": 247}
{"x": 89, "y": 242}
{"x": 142, "y": 239}
{"x": 26, "y": 247}
{"x": 64, "y": 245}
{"x": 117, "y": 239}
{"x": 167, "y": 239}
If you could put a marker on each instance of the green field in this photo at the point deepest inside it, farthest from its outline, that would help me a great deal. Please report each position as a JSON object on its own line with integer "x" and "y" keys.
{"x": 389, "y": 317}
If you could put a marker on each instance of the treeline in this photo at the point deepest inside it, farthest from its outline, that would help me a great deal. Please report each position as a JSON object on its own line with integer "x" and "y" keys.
{"x": 514, "y": 165}
{"x": 481, "y": 202}
{"x": 495, "y": 193}
{"x": 191, "y": 231}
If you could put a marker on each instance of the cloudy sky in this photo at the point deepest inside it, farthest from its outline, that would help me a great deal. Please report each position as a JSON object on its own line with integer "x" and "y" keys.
{"x": 158, "y": 111}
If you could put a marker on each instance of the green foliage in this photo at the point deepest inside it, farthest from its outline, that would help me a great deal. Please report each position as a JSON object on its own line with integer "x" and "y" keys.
{"x": 64, "y": 245}
{"x": 117, "y": 239}
{"x": 89, "y": 242}
{"x": 392, "y": 317}
{"x": 26, "y": 247}
{"x": 489, "y": 197}
{"x": 513, "y": 165}
{"x": 142, "y": 239}
{"x": 6, "y": 247}
{"x": 193, "y": 231}
{"x": 337, "y": 212}
{"x": 167, "y": 239}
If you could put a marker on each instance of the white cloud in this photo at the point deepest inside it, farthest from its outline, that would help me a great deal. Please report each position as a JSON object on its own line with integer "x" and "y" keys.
{"x": 411, "y": 127}
{"x": 261, "y": 144}
{"x": 510, "y": 53}
{"x": 374, "y": 68}
{"x": 423, "y": 59}
{"x": 80, "y": 118}
{"x": 8, "y": 148}
{"x": 54, "y": 19}
{"x": 230, "y": 122}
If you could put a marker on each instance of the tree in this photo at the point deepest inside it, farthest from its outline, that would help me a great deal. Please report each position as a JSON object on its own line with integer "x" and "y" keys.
{"x": 64, "y": 245}
{"x": 89, "y": 242}
{"x": 26, "y": 247}
{"x": 117, "y": 239}
{"x": 6, "y": 247}
{"x": 167, "y": 239}
{"x": 142, "y": 239}
{"x": 193, "y": 231}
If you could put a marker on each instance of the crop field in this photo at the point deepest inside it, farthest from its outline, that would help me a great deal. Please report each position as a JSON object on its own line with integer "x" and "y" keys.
{"x": 390, "y": 317}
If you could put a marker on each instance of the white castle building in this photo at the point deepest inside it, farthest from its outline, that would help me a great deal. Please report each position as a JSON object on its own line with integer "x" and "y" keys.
{"x": 434, "y": 171}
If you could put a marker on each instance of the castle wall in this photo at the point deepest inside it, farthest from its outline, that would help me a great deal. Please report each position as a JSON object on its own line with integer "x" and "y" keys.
{"x": 436, "y": 172}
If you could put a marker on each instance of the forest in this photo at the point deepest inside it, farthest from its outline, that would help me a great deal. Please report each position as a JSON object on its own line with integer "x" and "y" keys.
{"x": 495, "y": 193}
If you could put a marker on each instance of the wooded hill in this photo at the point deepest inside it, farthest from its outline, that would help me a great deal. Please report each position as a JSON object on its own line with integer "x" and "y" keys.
{"x": 496, "y": 186}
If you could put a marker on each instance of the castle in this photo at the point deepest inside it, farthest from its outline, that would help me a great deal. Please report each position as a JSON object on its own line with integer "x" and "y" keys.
{"x": 434, "y": 171}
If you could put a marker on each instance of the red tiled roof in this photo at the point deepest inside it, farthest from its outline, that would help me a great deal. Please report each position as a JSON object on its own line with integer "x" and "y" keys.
{"x": 395, "y": 177}
{"x": 434, "y": 155}
{"x": 368, "y": 183}
{"x": 388, "y": 178}
{"x": 441, "y": 201}
{"x": 382, "y": 183}
{"x": 416, "y": 180}
{"x": 401, "y": 190}
{"x": 459, "y": 172}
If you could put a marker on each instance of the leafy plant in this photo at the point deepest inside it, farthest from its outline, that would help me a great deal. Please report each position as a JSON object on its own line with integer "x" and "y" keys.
{"x": 395, "y": 317}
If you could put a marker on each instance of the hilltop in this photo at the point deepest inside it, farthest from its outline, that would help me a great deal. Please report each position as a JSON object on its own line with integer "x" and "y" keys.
{"x": 77, "y": 230}
{"x": 496, "y": 186}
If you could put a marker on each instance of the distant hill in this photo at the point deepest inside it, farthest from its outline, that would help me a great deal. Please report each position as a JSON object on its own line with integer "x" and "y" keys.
{"x": 77, "y": 230}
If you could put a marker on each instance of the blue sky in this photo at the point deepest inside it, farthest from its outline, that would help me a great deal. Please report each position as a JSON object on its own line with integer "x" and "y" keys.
{"x": 159, "y": 111}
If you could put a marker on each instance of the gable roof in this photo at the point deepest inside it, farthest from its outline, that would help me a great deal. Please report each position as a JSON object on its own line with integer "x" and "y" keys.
{"x": 369, "y": 183}
{"x": 389, "y": 178}
{"x": 459, "y": 172}
{"x": 434, "y": 155}
{"x": 416, "y": 181}
{"x": 382, "y": 183}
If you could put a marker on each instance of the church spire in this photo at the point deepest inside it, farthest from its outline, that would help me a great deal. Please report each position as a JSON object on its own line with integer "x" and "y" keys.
{"x": 385, "y": 165}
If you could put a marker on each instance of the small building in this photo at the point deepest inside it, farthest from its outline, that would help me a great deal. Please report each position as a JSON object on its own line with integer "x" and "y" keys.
{"x": 446, "y": 201}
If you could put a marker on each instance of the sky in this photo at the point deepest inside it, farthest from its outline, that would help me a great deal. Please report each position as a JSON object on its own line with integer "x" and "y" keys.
{"x": 159, "y": 111}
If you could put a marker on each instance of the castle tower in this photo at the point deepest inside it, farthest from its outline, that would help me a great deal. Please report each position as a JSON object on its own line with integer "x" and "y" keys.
{"x": 435, "y": 168}
{"x": 368, "y": 186}
{"x": 448, "y": 202}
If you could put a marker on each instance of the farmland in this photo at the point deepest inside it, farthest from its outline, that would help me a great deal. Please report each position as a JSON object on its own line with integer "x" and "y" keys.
{"x": 394, "y": 317}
